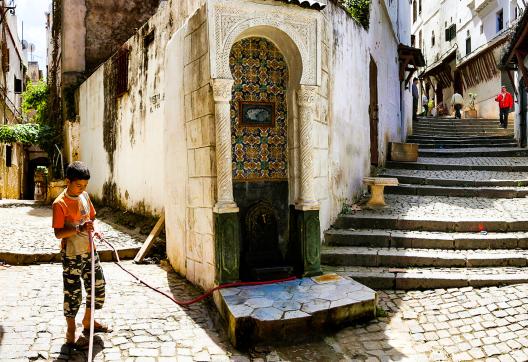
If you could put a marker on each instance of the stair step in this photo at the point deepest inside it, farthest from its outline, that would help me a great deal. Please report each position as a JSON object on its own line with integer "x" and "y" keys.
{"x": 427, "y": 146}
{"x": 459, "y": 139}
{"x": 500, "y": 164}
{"x": 440, "y": 213}
{"x": 425, "y": 239}
{"x": 432, "y": 278}
{"x": 409, "y": 257}
{"x": 487, "y": 179}
{"x": 433, "y": 190}
{"x": 475, "y": 152}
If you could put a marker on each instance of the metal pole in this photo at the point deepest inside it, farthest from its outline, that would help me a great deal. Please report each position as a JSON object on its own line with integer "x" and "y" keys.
{"x": 92, "y": 301}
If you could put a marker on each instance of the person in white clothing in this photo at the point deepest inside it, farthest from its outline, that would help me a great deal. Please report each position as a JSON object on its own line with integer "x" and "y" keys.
{"x": 457, "y": 103}
{"x": 424, "y": 105}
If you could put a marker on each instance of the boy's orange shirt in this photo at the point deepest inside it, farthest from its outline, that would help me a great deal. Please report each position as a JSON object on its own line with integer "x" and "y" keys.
{"x": 73, "y": 211}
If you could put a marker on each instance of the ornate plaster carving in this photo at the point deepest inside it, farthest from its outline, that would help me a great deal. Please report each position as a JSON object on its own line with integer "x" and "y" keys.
{"x": 222, "y": 96}
{"x": 306, "y": 99}
{"x": 229, "y": 18}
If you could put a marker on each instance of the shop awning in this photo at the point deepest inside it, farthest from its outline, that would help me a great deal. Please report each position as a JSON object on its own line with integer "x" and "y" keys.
{"x": 441, "y": 70}
{"x": 410, "y": 59}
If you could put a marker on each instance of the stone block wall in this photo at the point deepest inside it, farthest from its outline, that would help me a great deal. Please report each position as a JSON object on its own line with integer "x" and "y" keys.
{"x": 201, "y": 156}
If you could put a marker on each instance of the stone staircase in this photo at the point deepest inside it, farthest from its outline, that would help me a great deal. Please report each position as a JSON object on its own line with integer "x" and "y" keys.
{"x": 458, "y": 218}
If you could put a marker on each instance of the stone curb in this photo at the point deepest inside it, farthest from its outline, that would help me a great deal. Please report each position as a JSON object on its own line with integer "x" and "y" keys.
{"x": 36, "y": 258}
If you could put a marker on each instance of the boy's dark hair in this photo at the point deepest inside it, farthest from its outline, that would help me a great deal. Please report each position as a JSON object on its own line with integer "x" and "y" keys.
{"x": 77, "y": 171}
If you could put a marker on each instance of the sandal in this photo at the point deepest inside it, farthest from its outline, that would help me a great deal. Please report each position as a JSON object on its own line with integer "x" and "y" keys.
{"x": 100, "y": 328}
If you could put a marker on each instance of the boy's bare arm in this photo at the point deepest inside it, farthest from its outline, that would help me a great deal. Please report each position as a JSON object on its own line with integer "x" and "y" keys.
{"x": 67, "y": 231}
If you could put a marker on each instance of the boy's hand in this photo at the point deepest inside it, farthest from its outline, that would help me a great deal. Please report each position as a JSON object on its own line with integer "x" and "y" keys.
{"x": 87, "y": 227}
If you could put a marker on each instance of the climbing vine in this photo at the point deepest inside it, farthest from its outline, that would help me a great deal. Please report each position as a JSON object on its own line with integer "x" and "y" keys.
{"x": 35, "y": 102}
{"x": 359, "y": 10}
{"x": 24, "y": 133}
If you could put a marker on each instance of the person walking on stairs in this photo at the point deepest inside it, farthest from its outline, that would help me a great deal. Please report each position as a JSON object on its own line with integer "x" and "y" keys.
{"x": 458, "y": 102}
{"x": 414, "y": 90}
{"x": 505, "y": 100}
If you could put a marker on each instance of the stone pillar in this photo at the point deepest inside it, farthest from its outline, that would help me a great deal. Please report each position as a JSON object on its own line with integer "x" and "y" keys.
{"x": 224, "y": 174}
{"x": 306, "y": 98}
{"x": 227, "y": 228}
{"x": 307, "y": 236}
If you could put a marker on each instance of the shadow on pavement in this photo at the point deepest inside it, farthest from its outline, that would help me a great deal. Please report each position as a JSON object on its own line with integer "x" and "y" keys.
{"x": 67, "y": 353}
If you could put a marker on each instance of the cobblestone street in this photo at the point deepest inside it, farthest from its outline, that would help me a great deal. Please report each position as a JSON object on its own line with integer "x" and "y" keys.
{"x": 464, "y": 324}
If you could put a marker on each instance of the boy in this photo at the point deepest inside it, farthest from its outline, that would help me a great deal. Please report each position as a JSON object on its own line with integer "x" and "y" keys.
{"x": 73, "y": 216}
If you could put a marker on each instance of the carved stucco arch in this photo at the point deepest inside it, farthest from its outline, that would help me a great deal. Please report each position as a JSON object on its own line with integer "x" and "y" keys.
{"x": 298, "y": 27}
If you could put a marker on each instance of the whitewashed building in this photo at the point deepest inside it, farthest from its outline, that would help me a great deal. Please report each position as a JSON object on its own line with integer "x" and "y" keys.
{"x": 222, "y": 111}
{"x": 462, "y": 42}
{"x": 13, "y": 65}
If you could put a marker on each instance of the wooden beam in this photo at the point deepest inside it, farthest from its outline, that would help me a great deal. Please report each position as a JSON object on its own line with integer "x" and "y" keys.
{"x": 520, "y": 64}
{"x": 147, "y": 245}
{"x": 510, "y": 75}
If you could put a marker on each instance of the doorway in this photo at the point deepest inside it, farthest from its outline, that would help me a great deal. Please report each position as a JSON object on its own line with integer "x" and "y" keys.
{"x": 373, "y": 112}
{"x": 522, "y": 112}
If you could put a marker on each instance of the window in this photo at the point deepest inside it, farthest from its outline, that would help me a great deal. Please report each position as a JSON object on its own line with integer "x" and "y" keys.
{"x": 413, "y": 40}
{"x": 468, "y": 45}
{"x": 481, "y": 28}
{"x": 420, "y": 43}
{"x": 450, "y": 33}
{"x": 121, "y": 72}
{"x": 420, "y": 7}
{"x": 516, "y": 14}
{"x": 415, "y": 15}
{"x": 18, "y": 85}
{"x": 500, "y": 22}
{"x": 9, "y": 155}
{"x": 432, "y": 39}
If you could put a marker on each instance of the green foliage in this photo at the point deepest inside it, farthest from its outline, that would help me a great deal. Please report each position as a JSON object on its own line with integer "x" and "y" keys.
{"x": 28, "y": 134}
{"x": 359, "y": 10}
{"x": 35, "y": 101}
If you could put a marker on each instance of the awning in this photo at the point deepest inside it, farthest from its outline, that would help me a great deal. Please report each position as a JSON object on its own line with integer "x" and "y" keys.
{"x": 441, "y": 70}
{"x": 482, "y": 66}
{"x": 310, "y": 4}
{"x": 519, "y": 41}
{"x": 410, "y": 59}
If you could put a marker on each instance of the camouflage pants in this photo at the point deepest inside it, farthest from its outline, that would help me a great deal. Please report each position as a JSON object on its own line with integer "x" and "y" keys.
{"x": 73, "y": 269}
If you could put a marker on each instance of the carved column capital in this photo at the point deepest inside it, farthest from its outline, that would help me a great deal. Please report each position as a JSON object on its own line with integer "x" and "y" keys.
{"x": 307, "y": 96}
{"x": 222, "y": 89}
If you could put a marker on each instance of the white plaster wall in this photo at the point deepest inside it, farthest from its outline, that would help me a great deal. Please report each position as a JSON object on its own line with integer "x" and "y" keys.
{"x": 349, "y": 133}
{"x": 485, "y": 102}
{"x": 91, "y": 113}
{"x": 74, "y": 34}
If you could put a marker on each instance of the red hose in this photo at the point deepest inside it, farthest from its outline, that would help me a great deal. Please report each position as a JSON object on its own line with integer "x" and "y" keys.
{"x": 199, "y": 298}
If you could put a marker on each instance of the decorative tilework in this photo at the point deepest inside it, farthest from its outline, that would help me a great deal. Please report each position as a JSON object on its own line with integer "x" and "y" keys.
{"x": 260, "y": 74}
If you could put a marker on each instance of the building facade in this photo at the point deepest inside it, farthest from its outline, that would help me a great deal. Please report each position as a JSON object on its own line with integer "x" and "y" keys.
{"x": 462, "y": 42}
{"x": 13, "y": 67}
{"x": 249, "y": 124}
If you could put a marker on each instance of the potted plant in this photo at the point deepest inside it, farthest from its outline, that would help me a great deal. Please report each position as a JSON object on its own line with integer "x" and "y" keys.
{"x": 471, "y": 112}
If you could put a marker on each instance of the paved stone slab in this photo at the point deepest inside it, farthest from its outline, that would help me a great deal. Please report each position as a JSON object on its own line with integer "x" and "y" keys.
{"x": 273, "y": 312}
{"x": 27, "y": 236}
{"x": 145, "y": 323}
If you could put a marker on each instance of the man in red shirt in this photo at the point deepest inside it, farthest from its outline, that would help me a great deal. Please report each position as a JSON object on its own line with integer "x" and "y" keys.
{"x": 505, "y": 100}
